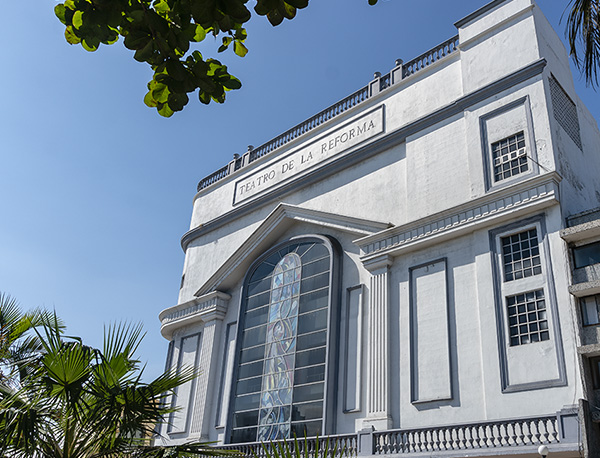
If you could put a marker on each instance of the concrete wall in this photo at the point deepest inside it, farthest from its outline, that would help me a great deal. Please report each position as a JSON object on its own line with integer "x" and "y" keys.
{"x": 431, "y": 160}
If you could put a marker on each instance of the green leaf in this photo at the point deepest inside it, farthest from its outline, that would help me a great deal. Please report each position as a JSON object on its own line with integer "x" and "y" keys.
{"x": 71, "y": 37}
{"x": 288, "y": 11}
{"x": 149, "y": 100}
{"x": 176, "y": 69}
{"x": 232, "y": 83}
{"x": 137, "y": 39}
{"x": 161, "y": 6}
{"x": 78, "y": 19}
{"x": 90, "y": 43}
{"x": 160, "y": 93}
{"x": 177, "y": 101}
{"x": 145, "y": 53}
{"x": 70, "y": 4}
{"x": 165, "y": 110}
{"x": 239, "y": 49}
{"x": 275, "y": 17}
{"x": 199, "y": 34}
{"x": 204, "y": 97}
{"x": 59, "y": 10}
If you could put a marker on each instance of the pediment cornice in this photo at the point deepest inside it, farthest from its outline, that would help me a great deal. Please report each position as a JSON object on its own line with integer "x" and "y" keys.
{"x": 270, "y": 230}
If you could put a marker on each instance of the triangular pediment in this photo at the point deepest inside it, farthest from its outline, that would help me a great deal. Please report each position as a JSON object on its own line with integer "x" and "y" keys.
{"x": 283, "y": 217}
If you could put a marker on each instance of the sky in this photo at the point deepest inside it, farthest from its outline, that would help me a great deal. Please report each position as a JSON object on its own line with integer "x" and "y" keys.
{"x": 96, "y": 189}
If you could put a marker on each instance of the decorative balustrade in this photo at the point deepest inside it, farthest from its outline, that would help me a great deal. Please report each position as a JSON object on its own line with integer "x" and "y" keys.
{"x": 213, "y": 177}
{"x": 511, "y": 433}
{"x": 385, "y": 81}
{"x": 328, "y": 113}
{"x": 408, "y": 69}
{"x": 431, "y": 56}
{"x": 335, "y": 446}
{"x": 473, "y": 437}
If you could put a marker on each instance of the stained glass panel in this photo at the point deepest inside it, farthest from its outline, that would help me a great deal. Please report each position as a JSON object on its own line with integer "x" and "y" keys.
{"x": 278, "y": 295}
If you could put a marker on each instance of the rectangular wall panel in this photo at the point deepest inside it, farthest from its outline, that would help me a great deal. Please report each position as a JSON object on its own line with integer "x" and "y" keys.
{"x": 430, "y": 345}
{"x": 189, "y": 350}
{"x": 226, "y": 375}
{"x": 353, "y": 349}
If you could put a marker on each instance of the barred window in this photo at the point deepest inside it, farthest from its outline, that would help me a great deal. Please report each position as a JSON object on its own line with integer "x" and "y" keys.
{"x": 523, "y": 294}
{"x": 509, "y": 156}
{"x": 521, "y": 255}
{"x": 527, "y": 319}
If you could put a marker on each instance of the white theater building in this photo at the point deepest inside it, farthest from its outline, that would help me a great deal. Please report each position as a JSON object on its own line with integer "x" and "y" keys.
{"x": 392, "y": 272}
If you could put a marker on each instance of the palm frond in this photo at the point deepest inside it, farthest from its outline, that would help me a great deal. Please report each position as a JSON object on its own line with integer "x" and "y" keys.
{"x": 583, "y": 33}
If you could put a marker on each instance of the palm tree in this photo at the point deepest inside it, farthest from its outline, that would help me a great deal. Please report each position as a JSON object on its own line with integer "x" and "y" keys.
{"x": 583, "y": 32}
{"x": 75, "y": 401}
{"x": 17, "y": 342}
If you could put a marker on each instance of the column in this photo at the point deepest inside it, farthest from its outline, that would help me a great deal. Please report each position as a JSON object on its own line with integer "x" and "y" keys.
{"x": 378, "y": 384}
{"x": 213, "y": 308}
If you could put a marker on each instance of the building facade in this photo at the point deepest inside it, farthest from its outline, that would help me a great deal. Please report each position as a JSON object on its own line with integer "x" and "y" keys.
{"x": 395, "y": 272}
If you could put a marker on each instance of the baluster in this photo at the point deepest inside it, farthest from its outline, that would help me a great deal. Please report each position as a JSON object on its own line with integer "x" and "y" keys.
{"x": 478, "y": 436}
{"x": 445, "y": 439}
{"x": 545, "y": 436}
{"x": 397, "y": 442}
{"x": 471, "y": 438}
{"x": 538, "y": 432}
{"x": 463, "y": 437}
{"x": 485, "y": 435}
{"x": 527, "y": 434}
{"x": 412, "y": 446}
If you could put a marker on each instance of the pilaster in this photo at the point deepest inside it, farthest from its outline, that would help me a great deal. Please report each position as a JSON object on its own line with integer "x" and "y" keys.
{"x": 378, "y": 385}
{"x": 207, "y": 364}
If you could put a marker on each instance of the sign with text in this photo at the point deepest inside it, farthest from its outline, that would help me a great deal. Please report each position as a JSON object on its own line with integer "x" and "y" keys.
{"x": 308, "y": 156}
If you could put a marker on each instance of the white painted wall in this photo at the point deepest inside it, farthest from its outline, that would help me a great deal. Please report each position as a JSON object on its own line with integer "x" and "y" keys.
{"x": 428, "y": 174}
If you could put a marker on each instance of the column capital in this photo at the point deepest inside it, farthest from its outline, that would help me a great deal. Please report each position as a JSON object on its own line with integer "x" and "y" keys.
{"x": 382, "y": 262}
{"x": 204, "y": 309}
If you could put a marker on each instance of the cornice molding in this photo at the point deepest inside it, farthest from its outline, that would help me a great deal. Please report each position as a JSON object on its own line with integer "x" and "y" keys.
{"x": 203, "y": 309}
{"x": 274, "y": 225}
{"x": 373, "y": 148}
{"x": 525, "y": 197}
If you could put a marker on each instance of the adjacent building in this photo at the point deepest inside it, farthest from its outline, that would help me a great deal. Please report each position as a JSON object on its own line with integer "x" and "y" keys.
{"x": 395, "y": 272}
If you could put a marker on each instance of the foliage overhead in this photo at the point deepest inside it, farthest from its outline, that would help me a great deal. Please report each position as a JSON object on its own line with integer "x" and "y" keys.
{"x": 161, "y": 32}
{"x": 583, "y": 32}
{"x": 75, "y": 401}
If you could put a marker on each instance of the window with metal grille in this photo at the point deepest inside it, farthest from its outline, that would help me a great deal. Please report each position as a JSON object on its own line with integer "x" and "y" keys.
{"x": 527, "y": 320}
{"x": 523, "y": 293}
{"x": 565, "y": 111}
{"x": 521, "y": 255}
{"x": 509, "y": 156}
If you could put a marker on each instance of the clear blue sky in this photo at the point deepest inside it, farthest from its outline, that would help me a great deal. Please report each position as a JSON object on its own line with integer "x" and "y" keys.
{"x": 96, "y": 189}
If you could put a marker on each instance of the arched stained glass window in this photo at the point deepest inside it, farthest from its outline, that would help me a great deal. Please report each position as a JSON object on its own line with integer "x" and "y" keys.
{"x": 282, "y": 359}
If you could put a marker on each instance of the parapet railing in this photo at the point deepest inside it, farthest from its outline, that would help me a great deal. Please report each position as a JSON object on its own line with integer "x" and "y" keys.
{"x": 510, "y": 433}
{"x": 336, "y": 446}
{"x": 503, "y": 434}
{"x": 431, "y": 56}
{"x": 364, "y": 93}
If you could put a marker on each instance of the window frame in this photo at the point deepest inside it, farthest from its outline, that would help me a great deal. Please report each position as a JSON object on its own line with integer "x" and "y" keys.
{"x": 584, "y": 315}
{"x": 530, "y": 144}
{"x": 501, "y": 291}
{"x": 333, "y": 330}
